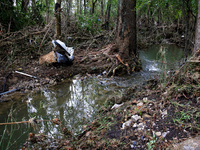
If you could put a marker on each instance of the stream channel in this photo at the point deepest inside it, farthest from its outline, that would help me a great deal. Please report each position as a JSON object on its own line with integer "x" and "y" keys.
{"x": 75, "y": 102}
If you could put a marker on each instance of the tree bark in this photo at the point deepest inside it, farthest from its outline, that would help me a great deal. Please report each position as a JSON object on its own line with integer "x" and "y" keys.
{"x": 124, "y": 47}
{"x": 107, "y": 18}
{"x": 47, "y": 12}
{"x": 84, "y": 7}
{"x": 93, "y": 5}
{"x": 80, "y": 7}
{"x": 25, "y": 5}
{"x": 77, "y": 5}
{"x": 69, "y": 12}
{"x": 186, "y": 25}
{"x": 58, "y": 18}
{"x": 102, "y": 9}
{"x": 197, "y": 33}
{"x": 126, "y": 36}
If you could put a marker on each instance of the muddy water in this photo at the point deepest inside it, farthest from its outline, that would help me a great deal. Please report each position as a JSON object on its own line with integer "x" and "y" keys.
{"x": 75, "y": 102}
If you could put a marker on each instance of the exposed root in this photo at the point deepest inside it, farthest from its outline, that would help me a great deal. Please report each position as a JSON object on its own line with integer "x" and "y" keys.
{"x": 119, "y": 58}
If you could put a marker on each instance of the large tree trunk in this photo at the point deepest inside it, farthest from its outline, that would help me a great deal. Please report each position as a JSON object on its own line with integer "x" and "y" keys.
{"x": 126, "y": 37}
{"x": 58, "y": 19}
{"x": 124, "y": 47}
{"x": 197, "y": 33}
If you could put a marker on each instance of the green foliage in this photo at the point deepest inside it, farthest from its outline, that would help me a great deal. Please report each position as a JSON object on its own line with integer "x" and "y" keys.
{"x": 90, "y": 23}
{"x": 13, "y": 16}
{"x": 165, "y": 11}
{"x": 150, "y": 144}
{"x": 6, "y": 13}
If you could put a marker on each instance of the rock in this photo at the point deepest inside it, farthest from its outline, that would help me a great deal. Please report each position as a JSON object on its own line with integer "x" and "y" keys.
{"x": 117, "y": 106}
{"x": 158, "y": 134}
{"x": 189, "y": 144}
{"x": 135, "y": 118}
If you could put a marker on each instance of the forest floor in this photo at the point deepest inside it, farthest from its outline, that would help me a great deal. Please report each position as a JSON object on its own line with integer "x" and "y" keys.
{"x": 150, "y": 118}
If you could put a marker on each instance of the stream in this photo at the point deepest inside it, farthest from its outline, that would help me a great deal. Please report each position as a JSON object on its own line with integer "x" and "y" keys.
{"x": 75, "y": 102}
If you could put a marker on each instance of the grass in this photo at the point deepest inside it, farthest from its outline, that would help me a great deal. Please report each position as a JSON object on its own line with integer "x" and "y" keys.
{"x": 150, "y": 144}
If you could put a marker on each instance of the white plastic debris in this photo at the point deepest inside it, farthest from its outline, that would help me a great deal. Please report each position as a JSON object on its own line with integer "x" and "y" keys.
{"x": 163, "y": 113}
{"x": 135, "y": 125}
{"x": 126, "y": 124}
{"x": 117, "y": 106}
{"x": 164, "y": 134}
{"x": 140, "y": 104}
{"x": 141, "y": 126}
{"x": 135, "y": 118}
{"x": 104, "y": 73}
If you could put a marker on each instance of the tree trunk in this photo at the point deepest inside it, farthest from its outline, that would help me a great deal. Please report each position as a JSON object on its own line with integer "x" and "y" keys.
{"x": 147, "y": 21}
{"x": 197, "y": 33}
{"x": 126, "y": 37}
{"x": 101, "y": 9}
{"x": 107, "y": 18}
{"x": 47, "y": 12}
{"x": 77, "y": 5}
{"x": 34, "y": 10}
{"x": 80, "y": 7}
{"x": 186, "y": 25}
{"x": 93, "y": 5}
{"x": 84, "y": 7}
{"x": 124, "y": 47}
{"x": 58, "y": 19}
{"x": 25, "y": 5}
{"x": 69, "y": 12}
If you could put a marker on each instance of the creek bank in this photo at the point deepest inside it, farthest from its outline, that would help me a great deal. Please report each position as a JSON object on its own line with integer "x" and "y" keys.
{"x": 149, "y": 118}
{"x": 143, "y": 118}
